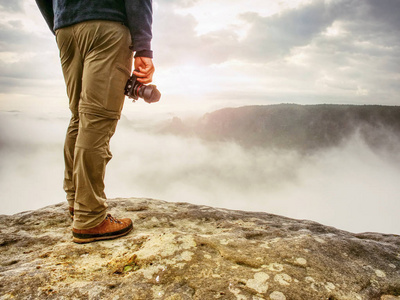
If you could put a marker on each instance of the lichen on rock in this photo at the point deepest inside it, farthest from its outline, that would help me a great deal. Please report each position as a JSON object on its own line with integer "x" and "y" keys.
{"x": 185, "y": 251}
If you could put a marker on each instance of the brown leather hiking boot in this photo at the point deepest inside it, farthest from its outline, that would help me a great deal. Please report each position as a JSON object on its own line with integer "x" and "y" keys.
{"x": 110, "y": 228}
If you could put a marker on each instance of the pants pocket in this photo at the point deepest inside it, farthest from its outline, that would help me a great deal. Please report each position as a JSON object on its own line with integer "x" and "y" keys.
{"x": 118, "y": 79}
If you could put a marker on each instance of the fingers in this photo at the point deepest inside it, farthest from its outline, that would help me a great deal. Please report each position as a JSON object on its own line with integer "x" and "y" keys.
{"x": 145, "y": 68}
{"x": 144, "y": 76}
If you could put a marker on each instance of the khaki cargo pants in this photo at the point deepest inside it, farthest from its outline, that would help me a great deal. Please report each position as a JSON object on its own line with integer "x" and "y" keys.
{"x": 96, "y": 63}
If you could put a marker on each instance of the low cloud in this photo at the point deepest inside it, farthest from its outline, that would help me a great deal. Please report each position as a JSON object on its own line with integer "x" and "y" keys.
{"x": 350, "y": 187}
{"x": 343, "y": 187}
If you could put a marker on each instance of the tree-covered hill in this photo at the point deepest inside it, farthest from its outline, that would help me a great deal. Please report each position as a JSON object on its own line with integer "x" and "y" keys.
{"x": 300, "y": 127}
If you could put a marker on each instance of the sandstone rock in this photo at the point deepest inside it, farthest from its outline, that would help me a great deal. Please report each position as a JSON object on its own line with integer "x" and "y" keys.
{"x": 184, "y": 251}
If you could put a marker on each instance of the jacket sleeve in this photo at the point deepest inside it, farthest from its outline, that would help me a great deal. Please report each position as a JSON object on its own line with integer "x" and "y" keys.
{"x": 140, "y": 18}
{"x": 46, "y": 8}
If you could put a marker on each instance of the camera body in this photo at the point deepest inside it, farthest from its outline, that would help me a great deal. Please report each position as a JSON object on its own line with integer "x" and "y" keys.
{"x": 135, "y": 90}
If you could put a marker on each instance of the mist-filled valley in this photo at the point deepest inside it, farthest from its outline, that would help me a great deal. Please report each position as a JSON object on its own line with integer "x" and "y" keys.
{"x": 337, "y": 165}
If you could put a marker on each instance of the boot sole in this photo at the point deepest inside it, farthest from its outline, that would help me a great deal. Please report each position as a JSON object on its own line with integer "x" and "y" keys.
{"x": 100, "y": 237}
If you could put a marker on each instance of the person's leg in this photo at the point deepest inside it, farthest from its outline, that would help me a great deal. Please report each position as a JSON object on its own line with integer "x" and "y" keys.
{"x": 72, "y": 66}
{"x": 91, "y": 157}
{"x": 107, "y": 65}
{"x": 69, "y": 148}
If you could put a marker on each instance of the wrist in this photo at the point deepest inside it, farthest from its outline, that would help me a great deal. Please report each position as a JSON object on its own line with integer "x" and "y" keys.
{"x": 144, "y": 53}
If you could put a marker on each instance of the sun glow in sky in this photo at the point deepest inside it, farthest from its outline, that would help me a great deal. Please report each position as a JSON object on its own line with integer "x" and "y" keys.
{"x": 218, "y": 15}
{"x": 215, "y": 15}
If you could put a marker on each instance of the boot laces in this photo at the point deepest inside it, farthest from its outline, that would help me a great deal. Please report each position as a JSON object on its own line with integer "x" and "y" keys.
{"x": 112, "y": 219}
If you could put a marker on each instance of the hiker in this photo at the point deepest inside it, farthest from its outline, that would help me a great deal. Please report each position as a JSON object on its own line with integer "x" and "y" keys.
{"x": 98, "y": 41}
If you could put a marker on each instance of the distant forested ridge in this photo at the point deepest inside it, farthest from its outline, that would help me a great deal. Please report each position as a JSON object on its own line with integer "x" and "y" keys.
{"x": 300, "y": 127}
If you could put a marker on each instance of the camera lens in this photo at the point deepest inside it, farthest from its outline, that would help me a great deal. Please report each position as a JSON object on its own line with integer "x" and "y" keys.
{"x": 149, "y": 93}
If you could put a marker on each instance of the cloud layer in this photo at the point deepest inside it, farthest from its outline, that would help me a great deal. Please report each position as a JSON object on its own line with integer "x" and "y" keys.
{"x": 349, "y": 187}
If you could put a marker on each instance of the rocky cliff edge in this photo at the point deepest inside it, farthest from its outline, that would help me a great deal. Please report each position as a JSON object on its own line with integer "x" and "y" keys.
{"x": 184, "y": 251}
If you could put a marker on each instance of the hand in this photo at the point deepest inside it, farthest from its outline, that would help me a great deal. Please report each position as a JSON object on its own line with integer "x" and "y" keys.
{"x": 146, "y": 69}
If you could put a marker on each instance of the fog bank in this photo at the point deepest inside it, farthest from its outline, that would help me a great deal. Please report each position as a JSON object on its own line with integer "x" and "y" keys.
{"x": 350, "y": 187}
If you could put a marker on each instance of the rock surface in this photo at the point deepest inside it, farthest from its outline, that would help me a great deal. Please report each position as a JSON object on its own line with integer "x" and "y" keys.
{"x": 184, "y": 251}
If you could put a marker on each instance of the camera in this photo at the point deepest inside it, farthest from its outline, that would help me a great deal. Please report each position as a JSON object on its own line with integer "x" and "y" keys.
{"x": 135, "y": 90}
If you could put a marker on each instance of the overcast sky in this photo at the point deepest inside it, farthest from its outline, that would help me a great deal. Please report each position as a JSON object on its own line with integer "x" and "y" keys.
{"x": 212, "y": 54}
